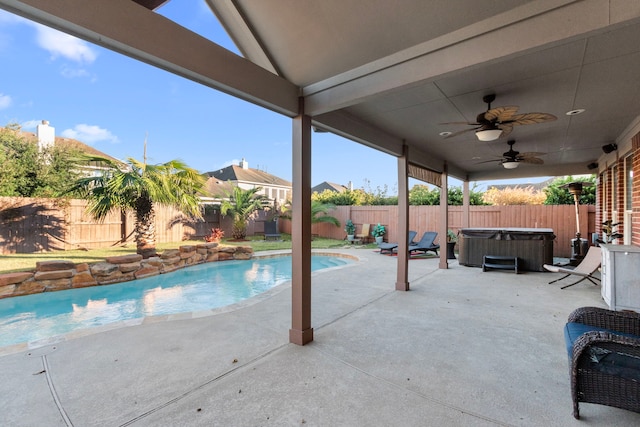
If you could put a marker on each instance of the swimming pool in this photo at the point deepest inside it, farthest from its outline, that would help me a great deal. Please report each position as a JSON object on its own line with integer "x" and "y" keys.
{"x": 197, "y": 288}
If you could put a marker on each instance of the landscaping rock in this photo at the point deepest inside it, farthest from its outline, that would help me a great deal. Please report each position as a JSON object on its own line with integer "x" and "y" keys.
{"x": 103, "y": 269}
{"x": 52, "y": 275}
{"x": 124, "y": 259}
{"x": 29, "y": 287}
{"x": 13, "y": 278}
{"x": 170, "y": 253}
{"x": 54, "y": 265}
{"x": 82, "y": 280}
{"x": 7, "y": 290}
{"x": 133, "y": 266}
{"x": 147, "y": 271}
{"x": 56, "y": 285}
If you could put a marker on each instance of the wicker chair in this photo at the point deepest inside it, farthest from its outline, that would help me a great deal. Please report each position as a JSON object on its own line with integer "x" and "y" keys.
{"x": 605, "y": 361}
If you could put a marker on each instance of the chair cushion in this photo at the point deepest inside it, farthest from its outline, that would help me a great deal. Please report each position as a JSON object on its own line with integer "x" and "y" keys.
{"x": 606, "y": 361}
{"x": 573, "y": 330}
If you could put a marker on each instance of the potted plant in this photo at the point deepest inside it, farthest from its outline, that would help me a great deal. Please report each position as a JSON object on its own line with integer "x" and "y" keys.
{"x": 378, "y": 232}
{"x": 350, "y": 228}
{"x": 609, "y": 232}
{"x": 452, "y": 238}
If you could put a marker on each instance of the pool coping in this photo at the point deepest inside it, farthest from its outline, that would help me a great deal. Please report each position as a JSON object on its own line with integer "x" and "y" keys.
{"x": 31, "y": 345}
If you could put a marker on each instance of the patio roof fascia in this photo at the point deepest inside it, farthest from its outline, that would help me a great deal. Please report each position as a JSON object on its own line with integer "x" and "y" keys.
{"x": 124, "y": 26}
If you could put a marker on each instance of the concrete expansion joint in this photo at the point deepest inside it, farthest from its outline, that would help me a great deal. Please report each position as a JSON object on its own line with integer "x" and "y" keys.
{"x": 54, "y": 393}
{"x": 368, "y": 303}
{"x": 237, "y": 366}
{"x": 324, "y": 350}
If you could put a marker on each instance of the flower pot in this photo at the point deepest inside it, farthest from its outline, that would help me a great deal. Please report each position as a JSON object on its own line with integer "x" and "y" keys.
{"x": 379, "y": 239}
{"x": 350, "y": 237}
{"x": 450, "y": 248}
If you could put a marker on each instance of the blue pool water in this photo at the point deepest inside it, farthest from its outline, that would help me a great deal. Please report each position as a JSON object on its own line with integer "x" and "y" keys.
{"x": 197, "y": 288}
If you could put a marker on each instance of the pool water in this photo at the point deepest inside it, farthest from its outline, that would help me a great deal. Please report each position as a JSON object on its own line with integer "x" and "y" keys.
{"x": 197, "y": 288}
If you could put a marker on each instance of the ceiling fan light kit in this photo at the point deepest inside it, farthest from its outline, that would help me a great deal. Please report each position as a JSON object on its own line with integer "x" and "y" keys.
{"x": 488, "y": 134}
{"x": 510, "y": 164}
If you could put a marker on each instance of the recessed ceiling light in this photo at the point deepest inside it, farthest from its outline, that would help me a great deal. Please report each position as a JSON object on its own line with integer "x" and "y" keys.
{"x": 575, "y": 112}
{"x": 447, "y": 133}
{"x": 476, "y": 158}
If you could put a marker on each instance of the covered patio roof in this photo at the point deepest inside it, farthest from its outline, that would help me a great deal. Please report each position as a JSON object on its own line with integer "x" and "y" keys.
{"x": 389, "y": 74}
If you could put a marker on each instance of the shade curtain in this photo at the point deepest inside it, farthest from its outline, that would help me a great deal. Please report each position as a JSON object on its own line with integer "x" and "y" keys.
{"x": 426, "y": 175}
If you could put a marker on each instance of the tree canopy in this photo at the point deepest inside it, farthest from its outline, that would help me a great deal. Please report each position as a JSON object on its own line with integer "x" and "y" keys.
{"x": 558, "y": 195}
{"x": 29, "y": 172}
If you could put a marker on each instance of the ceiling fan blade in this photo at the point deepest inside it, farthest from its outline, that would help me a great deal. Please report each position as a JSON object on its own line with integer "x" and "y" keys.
{"x": 531, "y": 154}
{"x": 531, "y": 118}
{"x": 460, "y": 123}
{"x": 460, "y": 132}
{"x": 501, "y": 114}
{"x": 506, "y": 129}
{"x": 499, "y": 160}
{"x": 531, "y": 160}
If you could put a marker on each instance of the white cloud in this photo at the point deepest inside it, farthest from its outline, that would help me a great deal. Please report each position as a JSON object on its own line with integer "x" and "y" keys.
{"x": 5, "y": 101}
{"x": 30, "y": 124}
{"x": 63, "y": 45}
{"x": 71, "y": 73}
{"x": 90, "y": 134}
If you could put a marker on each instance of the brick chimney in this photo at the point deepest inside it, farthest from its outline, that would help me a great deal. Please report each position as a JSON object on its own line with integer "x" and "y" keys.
{"x": 46, "y": 135}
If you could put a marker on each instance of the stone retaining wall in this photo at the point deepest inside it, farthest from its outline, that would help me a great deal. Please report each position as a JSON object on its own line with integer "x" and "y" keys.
{"x": 59, "y": 275}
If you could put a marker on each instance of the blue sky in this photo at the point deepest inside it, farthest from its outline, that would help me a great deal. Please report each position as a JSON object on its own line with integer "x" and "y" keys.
{"x": 112, "y": 103}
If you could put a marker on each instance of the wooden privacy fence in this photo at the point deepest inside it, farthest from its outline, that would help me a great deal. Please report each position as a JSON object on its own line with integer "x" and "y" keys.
{"x": 560, "y": 218}
{"x": 33, "y": 225}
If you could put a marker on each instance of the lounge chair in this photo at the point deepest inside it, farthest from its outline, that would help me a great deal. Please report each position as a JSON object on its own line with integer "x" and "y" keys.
{"x": 364, "y": 233}
{"x": 388, "y": 248}
{"x": 425, "y": 244}
{"x": 589, "y": 265}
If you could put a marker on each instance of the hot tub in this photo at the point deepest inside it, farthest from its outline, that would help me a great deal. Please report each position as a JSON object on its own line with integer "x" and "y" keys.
{"x": 532, "y": 246}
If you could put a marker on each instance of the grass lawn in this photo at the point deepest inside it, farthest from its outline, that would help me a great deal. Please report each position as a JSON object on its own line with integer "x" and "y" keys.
{"x": 21, "y": 262}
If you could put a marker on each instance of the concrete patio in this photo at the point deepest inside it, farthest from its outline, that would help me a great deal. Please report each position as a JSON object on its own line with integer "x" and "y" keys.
{"x": 462, "y": 347}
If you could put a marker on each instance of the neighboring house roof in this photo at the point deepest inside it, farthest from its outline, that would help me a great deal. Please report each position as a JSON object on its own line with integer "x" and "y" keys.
{"x": 222, "y": 181}
{"x": 71, "y": 143}
{"x": 236, "y": 173}
{"x": 331, "y": 186}
{"x": 216, "y": 188}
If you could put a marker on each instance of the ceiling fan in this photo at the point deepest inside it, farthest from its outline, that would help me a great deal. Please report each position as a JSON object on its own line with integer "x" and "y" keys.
{"x": 499, "y": 122}
{"x": 512, "y": 158}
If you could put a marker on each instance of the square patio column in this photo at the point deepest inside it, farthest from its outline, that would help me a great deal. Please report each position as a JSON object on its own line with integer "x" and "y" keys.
{"x": 466, "y": 201}
{"x": 402, "y": 281}
{"x": 301, "y": 331}
{"x": 444, "y": 217}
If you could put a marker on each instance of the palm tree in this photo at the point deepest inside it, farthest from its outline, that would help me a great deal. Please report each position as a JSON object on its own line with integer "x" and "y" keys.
{"x": 319, "y": 213}
{"x": 241, "y": 204}
{"x": 137, "y": 186}
{"x": 318, "y": 208}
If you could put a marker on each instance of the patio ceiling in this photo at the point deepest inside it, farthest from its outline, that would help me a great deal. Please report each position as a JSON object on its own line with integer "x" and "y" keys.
{"x": 386, "y": 73}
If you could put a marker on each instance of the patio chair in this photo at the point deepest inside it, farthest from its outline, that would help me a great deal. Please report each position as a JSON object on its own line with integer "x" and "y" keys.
{"x": 271, "y": 230}
{"x": 425, "y": 244}
{"x": 589, "y": 265}
{"x": 388, "y": 248}
{"x": 364, "y": 233}
{"x": 604, "y": 357}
